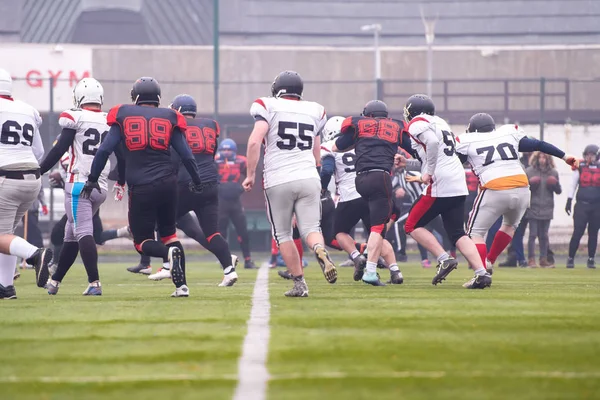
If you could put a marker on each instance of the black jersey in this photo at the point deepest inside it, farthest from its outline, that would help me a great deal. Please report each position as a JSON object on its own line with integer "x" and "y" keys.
{"x": 201, "y": 135}
{"x": 589, "y": 182}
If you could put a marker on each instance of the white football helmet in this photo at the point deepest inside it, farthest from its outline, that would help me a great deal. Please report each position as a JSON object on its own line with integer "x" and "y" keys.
{"x": 332, "y": 128}
{"x": 87, "y": 91}
{"x": 5, "y": 83}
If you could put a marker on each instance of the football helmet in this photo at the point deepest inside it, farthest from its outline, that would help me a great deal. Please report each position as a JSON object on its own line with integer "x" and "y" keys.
{"x": 332, "y": 128}
{"x": 375, "y": 109}
{"x": 5, "y": 83}
{"x": 185, "y": 104}
{"x": 228, "y": 144}
{"x": 481, "y": 122}
{"x": 88, "y": 91}
{"x": 591, "y": 149}
{"x": 146, "y": 90}
{"x": 418, "y": 104}
{"x": 287, "y": 83}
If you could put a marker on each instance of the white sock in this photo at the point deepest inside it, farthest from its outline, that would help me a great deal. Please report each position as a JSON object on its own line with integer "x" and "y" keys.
{"x": 480, "y": 271}
{"x": 166, "y": 265}
{"x": 394, "y": 267}
{"x": 354, "y": 254}
{"x": 371, "y": 267}
{"x": 22, "y": 248}
{"x": 443, "y": 257}
{"x": 123, "y": 232}
{"x": 7, "y": 269}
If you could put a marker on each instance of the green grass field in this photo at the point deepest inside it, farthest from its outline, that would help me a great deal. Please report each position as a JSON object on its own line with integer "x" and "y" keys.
{"x": 534, "y": 335}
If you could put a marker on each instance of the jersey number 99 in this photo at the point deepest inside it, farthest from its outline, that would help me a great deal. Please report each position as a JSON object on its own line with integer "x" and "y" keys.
{"x": 139, "y": 133}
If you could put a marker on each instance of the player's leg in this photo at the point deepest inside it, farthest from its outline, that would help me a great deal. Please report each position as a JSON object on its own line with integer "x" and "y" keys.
{"x": 581, "y": 218}
{"x": 488, "y": 207}
{"x": 240, "y": 223}
{"x": 376, "y": 188}
{"x": 224, "y": 211}
{"x": 189, "y": 224}
{"x": 166, "y": 221}
{"x": 328, "y": 212}
{"x": 7, "y": 268}
{"x": 57, "y": 236}
{"x": 544, "y": 239}
{"x": 388, "y": 255}
{"x": 308, "y": 219}
{"x": 593, "y": 229}
{"x": 347, "y": 215}
{"x": 533, "y": 234}
{"x": 280, "y": 210}
{"x": 207, "y": 211}
{"x": 102, "y": 236}
{"x": 16, "y": 197}
{"x": 34, "y": 235}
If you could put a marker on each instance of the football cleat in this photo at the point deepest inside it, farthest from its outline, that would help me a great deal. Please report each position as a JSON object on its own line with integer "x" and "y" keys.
{"x": 479, "y": 282}
{"x": 570, "y": 263}
{"x": 229, "y": 279}
{"x": 52, "y": 287}
{"x": 249, "y": 264}
{"x": 141, "y": 269}
{"x": 17, "y": 274}
{"x": 347, "y": 263}
{"x": 40, "y": 261}
{"x": 396, "y": 278}
{"x": 177, "y": 272}
{"x": 360, "y": 263}
{"x": 285, "y": 274}
{"x": 181, "y": 291}
{"x": 8, "y": 292}
{"x": 93, "y": 289}
{"x": 326, "y": 264}
{"x": 300, "y": 289}
{"x": 372, "y": 278}
{"x": 489, "y": 267}
{"x": 444, "y": 269}
{"x": 163, "y": 273}
{"x": 591, "y": 263}
{"x": 425, "y": 263}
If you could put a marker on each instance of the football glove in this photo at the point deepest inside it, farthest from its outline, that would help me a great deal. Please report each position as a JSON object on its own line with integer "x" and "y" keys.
{"x": 86, "y": 192}
{"x": 119, "y": 191}
{"x": 568, "y": 206}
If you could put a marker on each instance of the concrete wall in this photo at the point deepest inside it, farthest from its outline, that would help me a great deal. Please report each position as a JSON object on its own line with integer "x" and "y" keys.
{"x": 253, "y": 68}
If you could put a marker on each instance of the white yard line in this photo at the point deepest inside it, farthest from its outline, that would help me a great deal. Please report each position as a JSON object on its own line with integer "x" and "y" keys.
{"x": 252, "y": 368}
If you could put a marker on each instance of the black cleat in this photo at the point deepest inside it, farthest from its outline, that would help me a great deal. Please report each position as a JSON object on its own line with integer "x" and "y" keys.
{"x": 396, "y": 278}
{"x": 141, "y": 269}
{"x": 249, "y": 264}
{"x": 444, "y": 270}
{"x": 8, "y": 292}
{"x": 570, "y": 263}
{"x": 177, "y": 272}
{"x": 360, "y": 263}
{"x": 479, "y": 282}
{"x": 591, "y": 263}
{"x": 40, "y": 260}
{"x": 285, "y": 274}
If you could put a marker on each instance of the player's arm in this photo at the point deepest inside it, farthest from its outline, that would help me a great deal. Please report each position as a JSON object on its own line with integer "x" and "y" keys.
{"x": 37, "y": 146}
{"x": 430, "y": 140}
{"x": 261, "y": 128}
{"x": 121, "y": 165}
{"x": 528, "y": 144}
{"x": 327, "y": 170}
{"x": 317, "y": 150}
{"x": 574, "y": 185}
{"x": 107, "y": 147}
{"x": 65, "y": 141}
{"x": 347, "y": 139}
{"x": 180, "y": 145}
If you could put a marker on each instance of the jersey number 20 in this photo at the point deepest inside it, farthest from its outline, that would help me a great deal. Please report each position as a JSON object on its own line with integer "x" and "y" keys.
{"x": 90, "y": 146}
{"x": 290, "y": 140}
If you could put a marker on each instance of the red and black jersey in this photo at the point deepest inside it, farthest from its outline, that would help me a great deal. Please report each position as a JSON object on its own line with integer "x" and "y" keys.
{"x": 376, "y": 141}
{"x": 201, "y": 135}
{"x": 231, "y": 173}
{"x": 472, "y": 181}
{"x": 146, "y": 134}
{"x": 589, "y": 182}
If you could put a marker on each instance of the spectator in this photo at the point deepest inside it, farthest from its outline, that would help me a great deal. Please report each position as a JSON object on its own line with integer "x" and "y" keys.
{"x": 543, "y": 180}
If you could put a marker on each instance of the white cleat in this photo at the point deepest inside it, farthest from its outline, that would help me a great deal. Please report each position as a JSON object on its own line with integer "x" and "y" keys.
{"x": 229, "y": 280}
{"x": 181, "y": 291}
{"x": 162, "y": 273}
{"x": 234, "y": 260}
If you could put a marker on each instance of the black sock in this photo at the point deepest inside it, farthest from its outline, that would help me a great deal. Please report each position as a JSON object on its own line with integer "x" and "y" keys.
{"x": 57, "y": 250}
{"x": 153, "y": 248}
{"x": 89, "y": 256}
{"x": 144, "y": 260}
{"x": 219, "y": 247}
{"x": 179, "y": 280}
{"x": 108, "y": 235}
{"x": 68, "y": 255}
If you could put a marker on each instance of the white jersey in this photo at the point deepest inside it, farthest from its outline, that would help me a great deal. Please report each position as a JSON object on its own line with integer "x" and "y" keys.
{"x": 90, "y": 129}
{"x": 494, "y": 157}
{"x": 448, "y": 179}
{"x": 344, "y": 172}
{"x": 293, "y": 126}
{"x": 21, "y": 146}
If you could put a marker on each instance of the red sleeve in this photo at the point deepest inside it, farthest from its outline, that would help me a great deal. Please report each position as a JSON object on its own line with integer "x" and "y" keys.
{"x": 347, "y": 125}
{"x": 65, "y": 114}
{"x": 111, "y": 118}
{"x": 181, "y": 122}
{"x": 262, "y": 103}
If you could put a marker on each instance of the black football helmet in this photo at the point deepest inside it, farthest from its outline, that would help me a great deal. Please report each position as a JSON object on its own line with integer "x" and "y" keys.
{"x": 185, "y": 104}
{"x": 418, "y": 104}
{"x": 481, "y": 122}
{"x": 591, "y": 149}
{"x": 146, "y": 90}
{"x": 288, "y": 83}
{"x": 375, "y": 109}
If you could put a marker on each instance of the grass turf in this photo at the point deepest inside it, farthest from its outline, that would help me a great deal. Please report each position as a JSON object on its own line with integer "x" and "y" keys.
{"x": 533, "y": 335}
